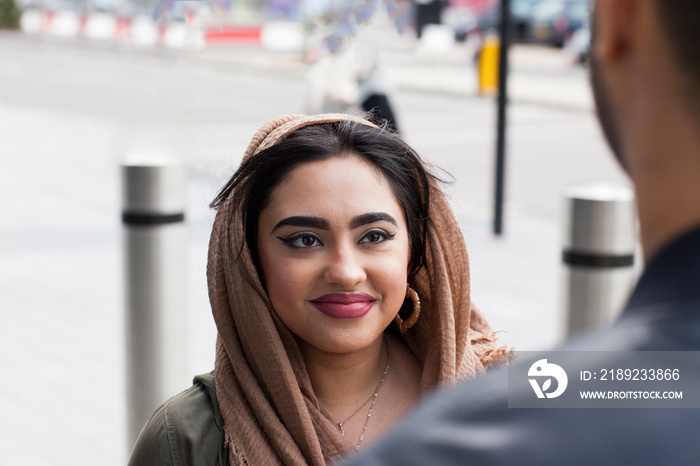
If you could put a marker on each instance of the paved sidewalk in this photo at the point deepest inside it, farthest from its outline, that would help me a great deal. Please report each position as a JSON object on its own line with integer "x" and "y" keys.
{"x": 539, "y": 74}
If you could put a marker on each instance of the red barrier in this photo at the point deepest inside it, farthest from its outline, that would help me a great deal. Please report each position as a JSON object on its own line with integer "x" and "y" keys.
{"x": 233, "y": 34}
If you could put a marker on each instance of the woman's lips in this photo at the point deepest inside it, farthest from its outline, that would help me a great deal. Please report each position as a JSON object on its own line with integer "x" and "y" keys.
{"x": 344, "y": 306}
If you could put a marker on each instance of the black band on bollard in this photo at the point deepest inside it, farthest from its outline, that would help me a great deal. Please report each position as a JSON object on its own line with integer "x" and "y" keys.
{"x": 151, "y": 219}
{"x": 597, "y": 261}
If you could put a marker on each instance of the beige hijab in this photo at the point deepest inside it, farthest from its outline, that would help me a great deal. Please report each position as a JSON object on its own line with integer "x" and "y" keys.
{"x": 271, "y": 415}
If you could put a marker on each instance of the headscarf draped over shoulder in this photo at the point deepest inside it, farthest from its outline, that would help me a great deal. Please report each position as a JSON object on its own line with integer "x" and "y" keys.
{"x": 271, "y": 415}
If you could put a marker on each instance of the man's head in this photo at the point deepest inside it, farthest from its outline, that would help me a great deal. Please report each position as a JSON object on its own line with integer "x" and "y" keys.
{"x": 679, "y": 19}
{"x": 645, "y": 57}
{"x": 673, "y": 20}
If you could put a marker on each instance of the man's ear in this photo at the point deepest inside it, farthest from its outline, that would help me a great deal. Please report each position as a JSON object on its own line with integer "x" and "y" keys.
{"x": 614, "y": 23}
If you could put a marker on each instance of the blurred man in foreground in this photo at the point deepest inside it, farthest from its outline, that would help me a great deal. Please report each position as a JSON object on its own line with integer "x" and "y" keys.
{"x": 646, "y": 80}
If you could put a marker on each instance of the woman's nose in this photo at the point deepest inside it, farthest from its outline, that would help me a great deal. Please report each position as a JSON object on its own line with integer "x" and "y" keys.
{"x": 345, "y": 268}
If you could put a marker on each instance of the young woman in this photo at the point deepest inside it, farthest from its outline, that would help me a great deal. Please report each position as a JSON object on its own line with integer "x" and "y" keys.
{"x": 339, "y": 283}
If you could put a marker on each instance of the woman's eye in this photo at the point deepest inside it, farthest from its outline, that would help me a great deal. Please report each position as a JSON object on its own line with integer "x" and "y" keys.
{"x": 375, "y": 236}
{"x": 302, "y": 241}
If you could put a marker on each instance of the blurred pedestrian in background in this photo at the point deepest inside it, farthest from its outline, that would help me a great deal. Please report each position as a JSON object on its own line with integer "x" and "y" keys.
{"x": 346, "y": 41}
{"x": 339, "y": 282}
{"x": 646, "y": 81}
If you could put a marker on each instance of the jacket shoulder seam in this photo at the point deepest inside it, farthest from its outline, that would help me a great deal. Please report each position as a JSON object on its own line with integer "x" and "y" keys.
{"x": 173, "y": 443}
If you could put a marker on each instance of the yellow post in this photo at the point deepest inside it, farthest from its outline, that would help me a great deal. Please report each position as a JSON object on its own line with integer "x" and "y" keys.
{"x": 488, "y": 65}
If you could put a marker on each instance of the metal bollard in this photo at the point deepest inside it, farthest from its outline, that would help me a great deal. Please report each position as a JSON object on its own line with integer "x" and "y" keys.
{"x": 598, "y": 253}
{"x": 154, "y": 254}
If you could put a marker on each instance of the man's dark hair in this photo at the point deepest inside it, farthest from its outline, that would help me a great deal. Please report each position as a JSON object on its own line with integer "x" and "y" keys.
{"x": 257, "y": 177}
{"x": 679, "y": 19}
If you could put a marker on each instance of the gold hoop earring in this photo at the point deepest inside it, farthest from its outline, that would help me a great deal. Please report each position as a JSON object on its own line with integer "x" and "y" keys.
{"x": 404, "y": 325}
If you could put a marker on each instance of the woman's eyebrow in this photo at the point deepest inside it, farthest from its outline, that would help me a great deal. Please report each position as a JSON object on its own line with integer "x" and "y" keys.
{"x": 371, "y": 217}
{"x": 301, "y": 221}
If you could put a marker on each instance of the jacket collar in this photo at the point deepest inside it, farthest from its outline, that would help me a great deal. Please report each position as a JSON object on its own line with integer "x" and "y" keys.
{"x": 670, "y": 277}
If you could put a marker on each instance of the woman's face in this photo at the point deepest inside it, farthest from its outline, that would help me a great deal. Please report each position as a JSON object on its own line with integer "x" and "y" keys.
{"x": 334, "y": 253}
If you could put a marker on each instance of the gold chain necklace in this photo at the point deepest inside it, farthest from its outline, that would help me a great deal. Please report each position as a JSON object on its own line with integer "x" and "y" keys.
{"x": 372, "y": 398}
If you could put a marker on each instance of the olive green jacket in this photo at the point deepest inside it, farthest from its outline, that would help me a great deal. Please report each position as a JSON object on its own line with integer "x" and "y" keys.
{"x": 187, "y": 430}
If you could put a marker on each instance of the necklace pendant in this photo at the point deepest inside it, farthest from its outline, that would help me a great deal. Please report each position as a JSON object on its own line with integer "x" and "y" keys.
{"x": 371, "y": 400}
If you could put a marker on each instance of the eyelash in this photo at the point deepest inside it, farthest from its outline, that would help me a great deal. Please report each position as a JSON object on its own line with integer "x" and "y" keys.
{"x": 384, "y": 236}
